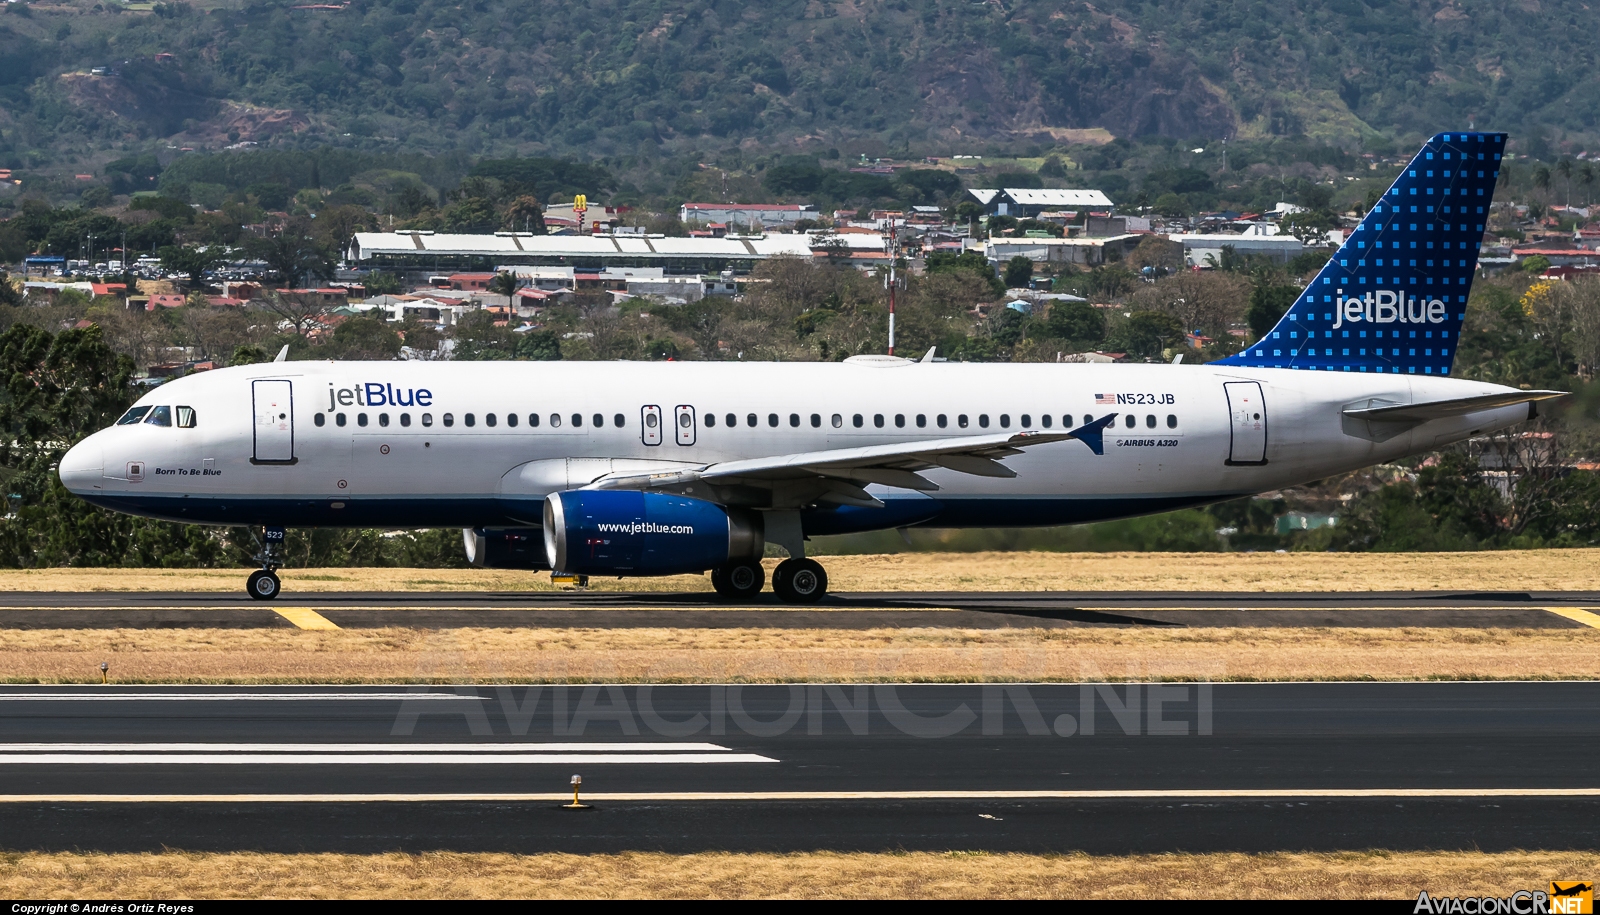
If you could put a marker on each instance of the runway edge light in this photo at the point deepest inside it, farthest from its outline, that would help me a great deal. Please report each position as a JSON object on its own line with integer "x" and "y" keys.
{"x": 577, "y": 782}
{"x": 104, "y": 667}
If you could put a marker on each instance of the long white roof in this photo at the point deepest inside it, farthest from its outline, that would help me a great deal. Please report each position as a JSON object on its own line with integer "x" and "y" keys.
{"x": 1053, "y": 197}
{"x": 399, "y": 244}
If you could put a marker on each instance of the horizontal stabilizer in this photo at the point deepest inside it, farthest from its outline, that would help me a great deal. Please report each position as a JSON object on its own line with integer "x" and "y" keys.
{"x": 1385, "y": 411}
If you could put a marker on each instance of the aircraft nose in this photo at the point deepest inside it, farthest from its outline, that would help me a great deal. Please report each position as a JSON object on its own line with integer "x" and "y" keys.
{"x": 81, "y": 467}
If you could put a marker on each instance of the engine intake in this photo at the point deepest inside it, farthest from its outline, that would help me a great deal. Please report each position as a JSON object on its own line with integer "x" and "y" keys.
{"x": 611, "y": 532}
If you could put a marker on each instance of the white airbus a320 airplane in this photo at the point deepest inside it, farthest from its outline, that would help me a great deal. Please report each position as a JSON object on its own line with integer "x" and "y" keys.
{"x": 622, "y": 468}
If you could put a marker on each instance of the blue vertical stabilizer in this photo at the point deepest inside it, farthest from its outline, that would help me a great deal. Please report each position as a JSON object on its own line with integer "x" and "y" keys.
{"x": 1394, "y": 296}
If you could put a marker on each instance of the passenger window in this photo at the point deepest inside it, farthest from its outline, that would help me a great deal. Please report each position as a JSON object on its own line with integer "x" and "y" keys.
{"x": 599, "y": 420}
{"x": 1046, "y": 420}
{"x": 427, "y": 419}
{"x": 449, "y": 419}
{"x": 962, "y": 420}
{"x": 816, "y": 420}
{"x": 794, "y": 420}
{"x": 160, "y": 416}
{"x": 405, "y": 419}
{"x": 731, "y": 420}
{"x": 983, "y": 420}
{"x": 751, "y": 421}
{"x": 361, "y": 419}
{"x": 877, "y": 420}
{"x": 900, "y": 420}
{"x": 772, "y": 420}
{"x": 837, "y": 420}
{"x": 1005, "y": 420}
{"x": 1087, "y": 419}
{"x": 511, "y": 420}
{"x": 555, "y": 420}
{"x": 1150, "y": 421}
{"x": 383, "y": 419}
{"x": 533, "y": 420}
{"x": 942, "y": 421}
{"x": 470, "y": 419}
{"x": 338, "y": 418}
{"x": 620, "y": 421}
{"x": 133, "y": 415}
{"x": 186, "y": 418}
{"x": 577, "y": 420}
{"x": 320, "y": 419}
{"x": 857, "y": 421}
{"x": 1026, "y": 420}
{"x": 1129, "y": 421}
{"x": 711, "y": 420}
{"x": 922, "y": 420}
{"x": 1172, "y": 421}
{"x": 489, "y": 419}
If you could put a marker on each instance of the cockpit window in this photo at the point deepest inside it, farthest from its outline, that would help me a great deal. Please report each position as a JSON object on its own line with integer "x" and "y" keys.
{"x": 133, "y": 415}
{"x": 160, "y": 416}
{"x": 186, "y": 417}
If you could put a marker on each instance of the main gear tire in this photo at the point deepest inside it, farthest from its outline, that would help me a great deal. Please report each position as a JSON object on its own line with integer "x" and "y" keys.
{"x": 800, "y": 581}
{"x": 738, "y": 580}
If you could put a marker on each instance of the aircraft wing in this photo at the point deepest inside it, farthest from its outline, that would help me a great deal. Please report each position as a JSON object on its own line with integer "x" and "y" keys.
{"x": 838, "y": 475}
{"x": 1385, "y": 411}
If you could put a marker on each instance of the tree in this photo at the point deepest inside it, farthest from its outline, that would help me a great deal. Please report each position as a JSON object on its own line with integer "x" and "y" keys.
{"x": 524, "y": 214}
{"x": 1564, "y": 169}
{"x": 380, "y": 283}
{"x": 1586, "y": 178}
{"x": 294, "y": 254}
{"x": 1147, "y": 333}
{"x": 1269, "y": 300}
{"x": 1077, "y": 321}
{"x": 10, "y": 295}
{"x": 249, "y": 354}
{"x": 1172, "y": 205}
{"x": 362, "y": 338}
{"x": 969, "y": 212}
{"x": 1019, "y": 272}
{"x": 1052, "y": 167}
{"x": 1203, "y": 302}
{"x": 503, "y": 284}
{"x": 191, "y": 261}
{"x": 540, "y": 346}
{"x": 968, "y": 261}
{"x": 295, "y": 311}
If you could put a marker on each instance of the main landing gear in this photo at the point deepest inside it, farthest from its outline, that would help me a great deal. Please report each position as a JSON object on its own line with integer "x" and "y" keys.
{"x": 738, "y": 580}
{"x": 799, "y": 581}
{"x": 795, "y": 581}
{"x": 263, "y": 584}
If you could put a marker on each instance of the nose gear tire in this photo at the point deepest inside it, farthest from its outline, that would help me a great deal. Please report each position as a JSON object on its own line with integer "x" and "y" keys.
{"x": 263, "y": 585}
{"x": 799, "y": 581}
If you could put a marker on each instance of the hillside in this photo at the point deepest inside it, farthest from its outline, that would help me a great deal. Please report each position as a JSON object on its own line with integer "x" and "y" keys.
{"x": 636, "y": 78}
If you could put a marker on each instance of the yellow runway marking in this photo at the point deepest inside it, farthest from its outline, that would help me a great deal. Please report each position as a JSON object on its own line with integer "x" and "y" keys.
{"x": 305, "y": 618}
{"x": 1225, "y": 793}
{"x": 1587, "y": 617}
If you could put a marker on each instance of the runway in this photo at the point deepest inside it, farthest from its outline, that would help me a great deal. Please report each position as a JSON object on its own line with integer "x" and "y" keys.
{"x": 862, "y": 610}
{"x": 1034, "y": 767}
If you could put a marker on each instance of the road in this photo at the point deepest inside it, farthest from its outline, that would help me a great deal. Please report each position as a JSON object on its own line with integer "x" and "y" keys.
{"x": 976, "y": 610}
{"x": 1100, "y": 768}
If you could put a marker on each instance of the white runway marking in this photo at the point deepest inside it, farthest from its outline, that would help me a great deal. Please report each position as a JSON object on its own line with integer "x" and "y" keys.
{"x": 236, "y": 697}
{"x": 590, "y": 747}
{"x": 367, "y": 754}
{"x": 709, "y": 796}
{"x": 368, "y": 759}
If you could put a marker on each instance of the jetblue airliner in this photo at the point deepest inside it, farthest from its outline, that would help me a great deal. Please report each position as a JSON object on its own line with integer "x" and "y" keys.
{"x": 682, "y": 467}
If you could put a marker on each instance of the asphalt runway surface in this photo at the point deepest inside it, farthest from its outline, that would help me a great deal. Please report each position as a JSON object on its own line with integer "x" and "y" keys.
{"x": 1101, "y": 768}
{"x": 975, "y": 610}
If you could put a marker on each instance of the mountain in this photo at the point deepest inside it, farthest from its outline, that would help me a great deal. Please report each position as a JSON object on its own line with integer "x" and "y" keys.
{"x": 638, "y": 77}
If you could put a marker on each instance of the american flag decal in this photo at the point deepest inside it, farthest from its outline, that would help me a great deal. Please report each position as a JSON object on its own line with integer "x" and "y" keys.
{"x": 1105, "y": 398}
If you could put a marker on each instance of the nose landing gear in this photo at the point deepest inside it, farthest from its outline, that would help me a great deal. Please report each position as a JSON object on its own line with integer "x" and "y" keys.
{"x": 263, "y": 583}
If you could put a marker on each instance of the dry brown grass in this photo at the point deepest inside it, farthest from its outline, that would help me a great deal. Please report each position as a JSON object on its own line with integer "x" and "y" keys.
{"x": 770, "y": 655}
{"x": 920, "y": 875}
{"x": 1536, "y": 570}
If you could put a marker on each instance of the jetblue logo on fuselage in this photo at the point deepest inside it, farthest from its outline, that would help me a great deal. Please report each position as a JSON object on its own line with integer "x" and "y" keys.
{"x": 373, "y": 394}
{"x": 1387, "y": 306}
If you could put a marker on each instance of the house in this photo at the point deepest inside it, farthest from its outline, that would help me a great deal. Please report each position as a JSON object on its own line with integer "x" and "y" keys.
{"x": 165, "y": 301}
{"x": 118, "y": 289}
{"x": 754, "y": 215}
{"x": 329, "y": 297}
{"x": 1028, "y": 201}
{"x": 1560, "y": 257}
{"x": 1205, "y": 249}
{"x": 1087, "y": 252}
{"x": 470, "y": 281}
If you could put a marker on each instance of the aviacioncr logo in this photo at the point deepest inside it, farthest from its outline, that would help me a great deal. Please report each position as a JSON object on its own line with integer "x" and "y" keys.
{"x": 1386, "y": 306}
